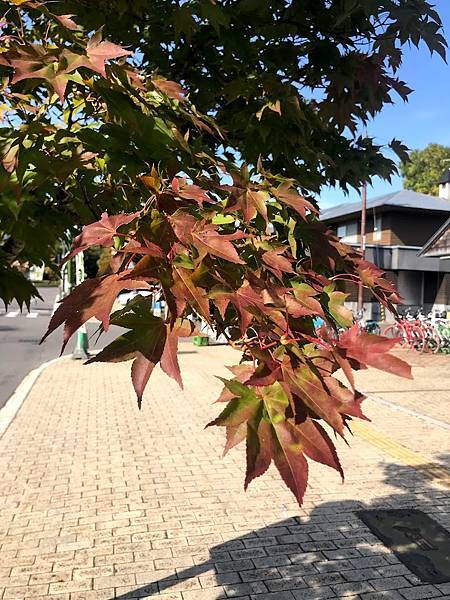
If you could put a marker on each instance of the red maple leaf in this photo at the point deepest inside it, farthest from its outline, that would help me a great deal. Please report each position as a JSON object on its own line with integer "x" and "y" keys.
{"x": 208, "y": 240}
{"x": 189, "y": 191}
{"x": 245, "y": 197}
{"x": 247, "y": 300}
{"x": 145, "y": 248}
{"x": 148, "y": 341}
{"x": 100, "y": 233}
{"x": 278, "y": 263}
{"x": 259, "y": 417}
{"x": 98, "y": 52}
{"x": 68, "y": 22}
{"x": 303, "y": 382}
{"x": 169, "y": 357}
{"x": 92, "y": 298}
{"x": 287, "y": 195}
{"x": 372, "y": 350}
{"x": 182, "y": 224}
{"x": 186, "y": 291}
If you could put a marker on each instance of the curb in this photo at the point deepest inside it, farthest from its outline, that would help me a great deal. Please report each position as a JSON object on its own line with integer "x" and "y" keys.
{"x": 15, "y": 401}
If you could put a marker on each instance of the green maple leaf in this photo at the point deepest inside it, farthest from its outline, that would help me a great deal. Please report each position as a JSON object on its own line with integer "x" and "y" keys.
{"x": 260, "y": 419}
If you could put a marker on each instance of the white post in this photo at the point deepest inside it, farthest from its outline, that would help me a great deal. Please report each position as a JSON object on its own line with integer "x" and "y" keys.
{"x": 82, "y": 346}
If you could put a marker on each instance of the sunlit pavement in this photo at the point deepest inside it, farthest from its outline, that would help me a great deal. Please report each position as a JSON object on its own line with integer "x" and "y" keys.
{"x": 100, "y": 500}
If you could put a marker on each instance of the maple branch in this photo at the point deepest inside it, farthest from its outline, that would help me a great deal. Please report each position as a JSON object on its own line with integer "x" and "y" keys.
{"x": 86, "y": 200}
{"x": 182, "y": 238}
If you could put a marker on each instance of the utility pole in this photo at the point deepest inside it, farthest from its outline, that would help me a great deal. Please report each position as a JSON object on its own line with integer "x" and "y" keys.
{"x": 362, "y": 245}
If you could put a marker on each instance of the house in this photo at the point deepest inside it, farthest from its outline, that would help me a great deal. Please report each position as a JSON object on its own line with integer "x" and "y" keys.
{"x": 438, "y": 246}
{"x": 398, "y": 225}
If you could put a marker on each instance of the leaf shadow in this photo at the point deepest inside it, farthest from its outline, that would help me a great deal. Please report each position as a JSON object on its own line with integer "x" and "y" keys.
{"x": 332, "y": 552}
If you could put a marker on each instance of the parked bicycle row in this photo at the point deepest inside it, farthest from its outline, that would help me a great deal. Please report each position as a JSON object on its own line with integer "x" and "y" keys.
{"x": 420, "y": 332}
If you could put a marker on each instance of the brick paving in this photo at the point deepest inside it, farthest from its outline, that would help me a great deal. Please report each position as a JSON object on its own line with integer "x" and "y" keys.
{"x": 101, "y": 501}
{"x": 428, "y": 394}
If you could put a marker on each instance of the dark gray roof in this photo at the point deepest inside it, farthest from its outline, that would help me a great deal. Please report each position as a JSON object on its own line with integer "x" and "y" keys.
{"x": 401, "y": 199}
{"x": 445, "y": 177}
{"x": 434, "y": 238}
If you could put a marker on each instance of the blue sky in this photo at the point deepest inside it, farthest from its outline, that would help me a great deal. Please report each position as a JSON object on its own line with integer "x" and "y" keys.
{"x": 424, "y": 119}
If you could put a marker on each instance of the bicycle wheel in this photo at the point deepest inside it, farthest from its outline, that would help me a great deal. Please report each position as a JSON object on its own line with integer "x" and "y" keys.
{"x": 444, "y": 333}
{"x": 416, "y": 338}
{"x": 434, "y": 340}
{"x": 397, "y": 331}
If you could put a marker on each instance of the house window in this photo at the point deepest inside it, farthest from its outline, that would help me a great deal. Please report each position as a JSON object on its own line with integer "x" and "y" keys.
{"x": 352, "y": 228}
{"x": 348, "y": 231}
{"x": 377, "y": 225}
{"x": 341, "y": 230}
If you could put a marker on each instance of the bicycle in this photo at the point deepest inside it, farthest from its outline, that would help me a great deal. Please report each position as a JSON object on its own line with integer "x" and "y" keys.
{"x": 408, "y": 331}
{"x": 416, "y": 332}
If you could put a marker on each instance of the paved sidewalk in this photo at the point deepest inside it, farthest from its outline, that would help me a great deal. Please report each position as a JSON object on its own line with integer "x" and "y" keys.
{"x": 428, "y": 392}
{"x": 101, "y": 501}
{"x": 395, "y": 400}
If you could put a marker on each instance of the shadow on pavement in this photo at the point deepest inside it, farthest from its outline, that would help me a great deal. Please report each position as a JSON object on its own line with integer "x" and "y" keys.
{"x": 331, "y": 553}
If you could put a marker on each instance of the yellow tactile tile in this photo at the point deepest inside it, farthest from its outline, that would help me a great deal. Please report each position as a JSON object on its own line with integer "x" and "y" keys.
{"x": 408, "y": 457}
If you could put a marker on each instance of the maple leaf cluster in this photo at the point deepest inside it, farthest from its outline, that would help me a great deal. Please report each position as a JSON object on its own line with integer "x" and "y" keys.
{"x": 257, "y": 292}
{"x": 236, "y": 246}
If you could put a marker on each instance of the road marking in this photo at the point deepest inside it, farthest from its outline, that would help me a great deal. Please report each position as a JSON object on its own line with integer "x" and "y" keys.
{"x": 31, "y": 315}
{"x": 433, "y": 471}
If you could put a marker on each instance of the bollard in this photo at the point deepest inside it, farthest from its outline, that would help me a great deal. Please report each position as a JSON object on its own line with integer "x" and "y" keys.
{"x": 81, "y": 351}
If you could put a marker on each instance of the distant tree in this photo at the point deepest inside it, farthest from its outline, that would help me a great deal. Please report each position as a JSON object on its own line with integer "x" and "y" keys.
{"x": 425, "y": 167}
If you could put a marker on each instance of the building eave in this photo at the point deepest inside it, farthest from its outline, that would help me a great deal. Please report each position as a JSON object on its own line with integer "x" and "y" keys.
{"x": 434, "y": 238}
{"x": 400, "y": 201}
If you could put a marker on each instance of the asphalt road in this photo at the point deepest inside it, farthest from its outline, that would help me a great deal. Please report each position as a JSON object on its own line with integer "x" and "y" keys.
{"x": 20, "y": 334}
